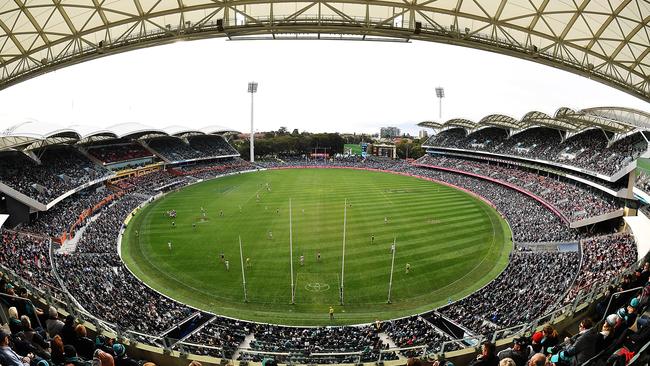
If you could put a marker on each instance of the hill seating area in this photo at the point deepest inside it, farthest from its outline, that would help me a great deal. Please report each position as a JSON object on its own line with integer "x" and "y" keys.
{"x": 587, "y": 150}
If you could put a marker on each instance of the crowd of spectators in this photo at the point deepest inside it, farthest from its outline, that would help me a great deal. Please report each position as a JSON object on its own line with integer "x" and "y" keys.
{"x": 415, "y": 331}
{"x": 573, "y": 201}
{"x": 152, "y": 183}
{"x": 39, "y": 336}
{"x": 98, "y": 279}
{"x": 517, "y": 295}
{"x": 28, "y": 257}
{"x": 603, "y": 259}
{"x": 211, "y": 169}
{"x": 58, "y": 219}
{"x": 119, "y": 152}
{"x": 643, "y": 181}
{"x": 61, "y": 170}
{"x": 174, "y": 149}
{"x": 302, "y": 342}
{"x": 224, "y": 334}
{"x": 586, "y": 150}
{"x": 212, "y": 145}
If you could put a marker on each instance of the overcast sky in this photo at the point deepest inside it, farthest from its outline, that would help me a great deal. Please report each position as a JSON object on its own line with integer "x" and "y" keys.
{"x": 343, "y": 86}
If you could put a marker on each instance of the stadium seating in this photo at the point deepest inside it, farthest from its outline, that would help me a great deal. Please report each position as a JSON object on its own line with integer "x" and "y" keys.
{"x": 174, "y": 149}
{"x": 587, "y": 150}
{"x": 507, "y": 300}
{"x": 96, "y": 277}
{"x": 212, "y": 145}
{"x": 305, "y": 341}
{"x": 573, "y": 201}
{"x": 58, "y": 219}
{"x": 117, "y": 152}
{"x": 61, "y": 170}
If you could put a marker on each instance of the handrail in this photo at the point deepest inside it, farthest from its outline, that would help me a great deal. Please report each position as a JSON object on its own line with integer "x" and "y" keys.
{"x": 399, "y": 349}
{"x": 616, "y": 294}
{"x": 34, "y": 308}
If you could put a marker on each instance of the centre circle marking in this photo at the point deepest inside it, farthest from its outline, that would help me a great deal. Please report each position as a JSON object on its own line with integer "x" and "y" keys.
{"x": 317, "y": 287}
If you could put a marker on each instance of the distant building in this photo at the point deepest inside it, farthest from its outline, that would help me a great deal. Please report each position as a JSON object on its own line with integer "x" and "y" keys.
{"x": 384, "y": 150}
{"x": 389, "y": 132}
{"x": 423, "y": 134}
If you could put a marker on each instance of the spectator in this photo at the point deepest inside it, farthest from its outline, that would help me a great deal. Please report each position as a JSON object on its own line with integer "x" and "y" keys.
{"x": 487, "y": 356}
{"x": 40, "y": 347}
{"x": 518, "y": 353}
{"x": 58, "y": 353}
{"x": 71, "y": 357}
{"x": 545, "y": 339}
{"x": 15, "y": 325}
{"x": 538, "y": 359}
{"x": 53, "y": 324}
{"x": 121, "y": 358}
{"x": 581, "y": 347}
{"x": 7, "y": 355}
{"x": 84, "y": 345}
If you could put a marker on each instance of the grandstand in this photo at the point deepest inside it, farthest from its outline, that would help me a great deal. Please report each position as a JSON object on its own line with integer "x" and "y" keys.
{"x": 536, "y": 205}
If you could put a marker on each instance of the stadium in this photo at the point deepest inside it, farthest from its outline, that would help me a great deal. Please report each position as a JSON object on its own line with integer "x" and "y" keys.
{"x": 136, "y": 244}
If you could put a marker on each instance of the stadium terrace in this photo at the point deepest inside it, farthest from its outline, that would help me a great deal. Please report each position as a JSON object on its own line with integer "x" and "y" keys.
{"x": 70, "y": 191}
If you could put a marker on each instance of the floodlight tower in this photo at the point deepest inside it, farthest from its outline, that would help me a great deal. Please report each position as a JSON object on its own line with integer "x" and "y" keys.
{"x": 440, "y": 93}
{"x": 252, "y": 88}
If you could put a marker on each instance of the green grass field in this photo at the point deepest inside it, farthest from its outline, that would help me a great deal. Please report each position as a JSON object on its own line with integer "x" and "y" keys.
{"x": 454, "y": 243}
{"x": 355, "y": 149}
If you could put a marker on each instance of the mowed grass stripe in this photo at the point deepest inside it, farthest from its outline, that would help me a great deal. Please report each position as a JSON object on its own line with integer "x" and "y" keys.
{"x": 454, "y": 243}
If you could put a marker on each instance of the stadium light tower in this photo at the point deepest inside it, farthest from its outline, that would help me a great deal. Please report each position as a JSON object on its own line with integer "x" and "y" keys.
{"x": 440, "y": 93}
{"x": 252, "y": 88}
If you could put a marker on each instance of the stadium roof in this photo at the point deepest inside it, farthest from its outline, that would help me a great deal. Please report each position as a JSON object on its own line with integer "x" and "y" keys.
{"x": 606, "y": 40}
{"x": 30, "y": 134}
{"x": 617, "y": 121}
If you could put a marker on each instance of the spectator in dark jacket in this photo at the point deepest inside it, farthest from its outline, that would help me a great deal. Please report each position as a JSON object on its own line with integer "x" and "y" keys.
{"x": 121, "y": 358}
{"x": 85, "y": 346}
{"x": 67, "y": 332}
{"x": 518, "y": 353}
{"x": 487, "y": 357}
{"x": 58, "y": 353}
{"x": 583, "y": 345}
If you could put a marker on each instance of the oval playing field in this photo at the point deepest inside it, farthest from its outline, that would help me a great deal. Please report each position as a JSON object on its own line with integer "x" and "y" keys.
{"x": 453, "y": 242}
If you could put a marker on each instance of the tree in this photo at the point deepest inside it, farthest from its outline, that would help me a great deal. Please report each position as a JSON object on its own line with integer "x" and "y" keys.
{"x": 411, "y": 150}
{"x": 282, "y": 131}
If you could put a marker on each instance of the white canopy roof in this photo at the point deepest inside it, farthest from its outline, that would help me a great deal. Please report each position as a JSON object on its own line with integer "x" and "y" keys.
{"x": 607, "y": 40}
{"x": 28, "y": 132}
{"x": 616, "y": 120}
